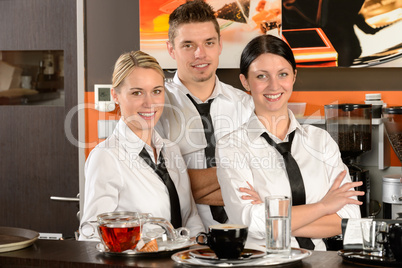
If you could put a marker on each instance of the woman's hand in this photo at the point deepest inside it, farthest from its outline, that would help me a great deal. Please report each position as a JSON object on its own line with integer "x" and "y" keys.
{"x": 251, "y": 194}
{"x": 339, "y": 196}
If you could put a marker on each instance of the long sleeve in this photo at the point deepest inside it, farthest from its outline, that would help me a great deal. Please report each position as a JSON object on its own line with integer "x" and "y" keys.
{"x": 234, "y": 172}
{"x": 102, "y": 184}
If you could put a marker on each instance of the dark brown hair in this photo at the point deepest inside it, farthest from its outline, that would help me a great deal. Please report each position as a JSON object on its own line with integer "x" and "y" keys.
{"x": 265, "y": 44}
{"x": 190, "y": 12}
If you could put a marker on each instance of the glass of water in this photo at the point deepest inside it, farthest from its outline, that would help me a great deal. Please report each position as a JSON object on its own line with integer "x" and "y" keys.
{"x": 278, "y": 213}
{"x": 374, "y": 235}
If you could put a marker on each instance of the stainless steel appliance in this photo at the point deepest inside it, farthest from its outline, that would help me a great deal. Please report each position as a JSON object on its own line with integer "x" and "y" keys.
{"x": 392, "y": 196}
{"x": 350, "y": 126}
{"x": 392, "y": 184}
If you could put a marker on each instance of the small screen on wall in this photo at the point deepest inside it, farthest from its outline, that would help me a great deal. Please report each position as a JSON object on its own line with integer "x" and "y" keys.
{"x": 104, "y": 94}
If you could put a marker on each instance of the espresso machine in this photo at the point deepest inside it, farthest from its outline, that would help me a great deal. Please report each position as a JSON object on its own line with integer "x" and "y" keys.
{"x": 350, "y": 126}
{"x": 392, "y": 184}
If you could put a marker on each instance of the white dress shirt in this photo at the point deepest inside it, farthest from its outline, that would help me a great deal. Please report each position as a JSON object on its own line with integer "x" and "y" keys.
{"x": 246, "y": 156}
{"x": 118, "y": 179}
{"x": 181, "y": 123}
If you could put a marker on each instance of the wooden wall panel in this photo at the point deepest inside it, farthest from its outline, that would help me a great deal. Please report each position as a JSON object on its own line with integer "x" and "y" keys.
{"x": 36, "y": 159}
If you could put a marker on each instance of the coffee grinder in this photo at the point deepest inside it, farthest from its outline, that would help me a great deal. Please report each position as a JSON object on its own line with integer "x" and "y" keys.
{"x": 392, "y": 184}
{"x": 350, "y": 126}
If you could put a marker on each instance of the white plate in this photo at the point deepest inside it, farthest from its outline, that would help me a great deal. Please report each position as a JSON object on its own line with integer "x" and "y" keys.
{"x": 16, "y": 238}
{"x": 183, "y": 257}
{"x": 167, "y": 247}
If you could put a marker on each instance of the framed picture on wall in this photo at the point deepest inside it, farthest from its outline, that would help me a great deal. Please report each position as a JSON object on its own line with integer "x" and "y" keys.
{"x": 363, "y": 33}
{"x": 239, "y": 20}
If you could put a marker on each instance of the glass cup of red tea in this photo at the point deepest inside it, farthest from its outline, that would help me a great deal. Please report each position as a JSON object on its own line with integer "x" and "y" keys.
{"x": 118, "y": 231}
{"x": 122, "y": 230}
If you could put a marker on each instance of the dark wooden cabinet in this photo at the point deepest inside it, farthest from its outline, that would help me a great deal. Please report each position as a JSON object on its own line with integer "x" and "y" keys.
{"x": 36, "y": 158}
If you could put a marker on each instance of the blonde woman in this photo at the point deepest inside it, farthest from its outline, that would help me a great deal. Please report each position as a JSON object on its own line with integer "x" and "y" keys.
{"x": 135, "y": 169}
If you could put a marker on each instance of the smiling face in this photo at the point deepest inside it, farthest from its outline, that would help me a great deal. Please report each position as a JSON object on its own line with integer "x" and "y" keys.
{"x": 196, "y": 49}
{"x": 141, "y": 98}
{"x": 270, "y": 81}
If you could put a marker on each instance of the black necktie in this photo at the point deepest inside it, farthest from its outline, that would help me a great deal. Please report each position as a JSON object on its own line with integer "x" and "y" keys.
{"x": 295, "y": 179}
{"x": 162, "y": 172}
{"x": 218, "y": 212}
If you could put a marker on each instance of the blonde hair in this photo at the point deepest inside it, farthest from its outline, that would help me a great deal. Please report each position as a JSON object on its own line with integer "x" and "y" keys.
{"x": 127, "y": 62}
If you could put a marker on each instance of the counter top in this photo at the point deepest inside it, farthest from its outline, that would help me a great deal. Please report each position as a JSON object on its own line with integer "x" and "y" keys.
{"x": 71, "y": 253}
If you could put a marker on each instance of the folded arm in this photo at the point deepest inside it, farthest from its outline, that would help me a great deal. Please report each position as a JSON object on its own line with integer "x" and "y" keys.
{"x": 205, "y": 186}
{"x": 326, "y": 226}
{"x": 318, "y": 220}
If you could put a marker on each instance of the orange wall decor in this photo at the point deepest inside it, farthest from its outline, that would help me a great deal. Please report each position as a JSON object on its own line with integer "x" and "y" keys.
{"x": 315, "y": 107}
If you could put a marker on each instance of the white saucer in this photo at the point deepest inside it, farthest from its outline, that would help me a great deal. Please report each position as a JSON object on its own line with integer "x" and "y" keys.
{"x": 168, "y": 247}
{"x": 184, "y": 257}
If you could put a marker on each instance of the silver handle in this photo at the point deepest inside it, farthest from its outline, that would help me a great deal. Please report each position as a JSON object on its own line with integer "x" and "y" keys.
{"x": 66, "y": 199}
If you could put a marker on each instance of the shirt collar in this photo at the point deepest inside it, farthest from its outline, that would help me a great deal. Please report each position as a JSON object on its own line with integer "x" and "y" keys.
{"x": 215, "y": 93}
{"x": 255, "y": 128}
{"x": 133, "y": 144}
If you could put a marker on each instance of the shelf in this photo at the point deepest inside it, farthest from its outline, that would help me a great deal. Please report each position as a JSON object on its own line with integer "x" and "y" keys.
{"x": 320, "y": 120}
{"x": 30, "y": 99}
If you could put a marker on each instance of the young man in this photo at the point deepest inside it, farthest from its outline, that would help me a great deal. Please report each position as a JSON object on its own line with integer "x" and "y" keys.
{"x": 199, "y": 108}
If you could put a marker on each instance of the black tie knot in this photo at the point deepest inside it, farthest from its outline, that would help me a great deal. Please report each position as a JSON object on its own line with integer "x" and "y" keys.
{"x": 284, "y": 147}
{"x": 202, "y": 108}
